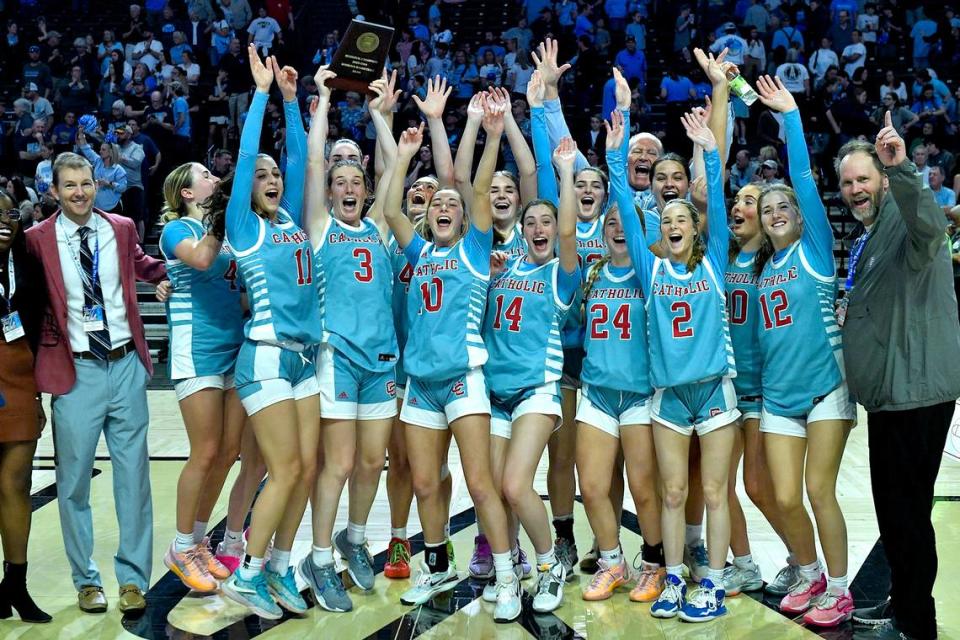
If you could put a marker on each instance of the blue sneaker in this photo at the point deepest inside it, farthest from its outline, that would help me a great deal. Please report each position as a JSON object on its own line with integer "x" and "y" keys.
{"x": 283, "y": 588}
{"x": 705, "y": 603}
{"x": 252, "y": 594}
{"x": 359, "y": 562}
{"x": 671, "y": 599}
{"x": 326, "y": 586}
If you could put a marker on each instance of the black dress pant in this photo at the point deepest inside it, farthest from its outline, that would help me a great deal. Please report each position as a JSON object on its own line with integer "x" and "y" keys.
{"x": 905, "y": 452}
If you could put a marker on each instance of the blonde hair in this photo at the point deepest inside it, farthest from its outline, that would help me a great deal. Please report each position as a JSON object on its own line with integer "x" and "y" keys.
{"x": 176, "y": 181}
{"x": 114, "y": 151}
{"x": 592, "y": 276}
{"x": 766, "y": 250}
{"x": 699, "y": 246}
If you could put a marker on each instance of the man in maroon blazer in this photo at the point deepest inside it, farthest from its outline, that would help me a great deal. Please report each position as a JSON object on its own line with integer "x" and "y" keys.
{"x": 93, "y": 358}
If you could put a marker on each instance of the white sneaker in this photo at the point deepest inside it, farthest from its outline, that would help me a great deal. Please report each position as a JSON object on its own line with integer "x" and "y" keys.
{"x": 490, "y": 589}
{"x": 430, "y": 584}
{"x": 508, "y": 604}
{"x": 550, "y": 583}
{"x": 737, "y": 580}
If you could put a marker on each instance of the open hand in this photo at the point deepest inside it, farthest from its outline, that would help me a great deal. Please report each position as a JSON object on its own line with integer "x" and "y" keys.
{"x": 547, "y": 62}
{"x": 410, "y": 141}
{"x": 698, "y": 131}
{"x": 565, "y": 154}
{"x": 535, "y": 90}
{"x": 262, "y": 74}
{"x": 437, "y": 94}
{"x": 475, "y": 108}
{"x": 320, "y": 77}
{"x": 773, "y": 94}
{"x": 614, "y": 130}
{"x": 492, "y": 116}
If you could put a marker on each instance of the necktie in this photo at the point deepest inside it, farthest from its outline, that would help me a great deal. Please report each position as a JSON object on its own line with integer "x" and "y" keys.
{"x": 93, "y": 295}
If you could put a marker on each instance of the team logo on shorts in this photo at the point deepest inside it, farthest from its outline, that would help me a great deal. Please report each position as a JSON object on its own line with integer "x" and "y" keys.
{"x": 343, "y": 396}
{"x": 392, "y": 389}
{"x": 458, "y": 389}
{"x": 714, "y": 412}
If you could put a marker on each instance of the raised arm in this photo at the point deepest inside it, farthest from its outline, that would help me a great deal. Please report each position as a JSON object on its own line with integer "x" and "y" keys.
{"x": 546, "y": 178}
{"x": 481, "y": 212}
{"x": 242, "y": 224}
{"x": 432, "y": 109}
{"x": 296, "y": 142}
{"x": 316, "y": 212}
{"x": 918, "y": 208}
{"x": 718, "y": 234}
{"x": 463, "y": 166}
{"x": 622, "y": 195}
{"x": 400, "y": 225}
{"x": 563, "y": 157}
{"x": 380, "y": 106}
{"x": 817, "y": 232}
{"x": 546, "y": 62}
{"x": 526, "y": 165}
{"x": 716, "y": 71}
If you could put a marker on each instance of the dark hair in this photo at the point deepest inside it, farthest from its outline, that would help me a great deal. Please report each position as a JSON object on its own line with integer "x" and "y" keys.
{"x": 31, "y": 296}
{"x": 215, "y": 218}
{"x": 498, "y": 236}
{"x": 367, "y": 183}
{"x": 671, "y": 157}
{"x": 855, "y": 146}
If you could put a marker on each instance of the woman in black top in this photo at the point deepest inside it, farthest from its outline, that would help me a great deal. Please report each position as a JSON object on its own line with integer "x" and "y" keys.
{"x": 22, "y": 304}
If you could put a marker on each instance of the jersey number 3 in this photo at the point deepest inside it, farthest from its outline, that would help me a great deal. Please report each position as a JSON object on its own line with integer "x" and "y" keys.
{"x": 365, "y": 272}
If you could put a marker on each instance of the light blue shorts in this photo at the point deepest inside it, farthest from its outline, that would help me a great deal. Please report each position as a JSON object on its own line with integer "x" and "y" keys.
{"x": 435, "y": 405}
{"x": 609, "y": 410}
{"x": 350, "y": 392}
{"x": 699, "y": 406}
{"x": 544, "y": 400}
{"x": 267, "y": 374}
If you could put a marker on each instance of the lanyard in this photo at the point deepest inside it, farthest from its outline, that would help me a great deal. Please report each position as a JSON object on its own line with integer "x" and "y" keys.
{"x": 76, "y": 258}
{"x": 13, "y": 282}
{"x": 855, "y": 252}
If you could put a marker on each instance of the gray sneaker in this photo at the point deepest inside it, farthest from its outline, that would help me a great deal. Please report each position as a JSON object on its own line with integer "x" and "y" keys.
{"x": 695, "y": 557}
{"x": 325, "y": 585}
{"x": 780, "y": 586}
{"x": 567, "y": 555}
{"x": 359, "y": 562}
{"x": 737, "y": 580}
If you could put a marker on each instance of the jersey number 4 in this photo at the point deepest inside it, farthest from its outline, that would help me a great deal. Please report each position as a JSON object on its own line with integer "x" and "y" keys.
{"x": 230, "y": 275}
{"x": 773, "y": 308}
{"x": 513, "y": 314}
{"x": 621, "y": 321}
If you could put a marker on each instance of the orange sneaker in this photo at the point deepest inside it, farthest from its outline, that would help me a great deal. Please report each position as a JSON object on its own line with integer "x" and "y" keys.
{"x": 649, "y": 583}
{"x": 398, "y": 561}
{"x": 206, "y": 559}
{"x": 188, "y": 567}
{"x": 606, "y": 580}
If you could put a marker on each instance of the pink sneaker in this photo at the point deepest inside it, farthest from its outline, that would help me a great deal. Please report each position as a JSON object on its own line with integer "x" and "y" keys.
{"x": 802, "y": 594}
{"x": 229, "y": 556}
{"x": 830, "y": 609}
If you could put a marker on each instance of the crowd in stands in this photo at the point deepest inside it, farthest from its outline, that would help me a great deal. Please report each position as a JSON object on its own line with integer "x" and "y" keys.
{"x": 168, "y": 81}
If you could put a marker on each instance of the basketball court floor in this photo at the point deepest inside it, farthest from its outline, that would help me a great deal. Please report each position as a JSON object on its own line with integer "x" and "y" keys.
{"x": 173, "y": 613}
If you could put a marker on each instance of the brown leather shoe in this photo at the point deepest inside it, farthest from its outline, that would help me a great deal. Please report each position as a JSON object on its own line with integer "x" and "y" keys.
{"x": 90, "y": 599}
{"x": 131, "y": 599}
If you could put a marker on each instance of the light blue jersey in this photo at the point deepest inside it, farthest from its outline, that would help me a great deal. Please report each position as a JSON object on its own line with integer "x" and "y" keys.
{"x": 356, "y": 282}
{"x": 616, "y": 333}
{"x": 799, "y": 337}
{"x": 686, "y": 312}
{"x": 515, "y": 246}
{"x": 402, "y": 273}
{"x": 275, "y": 258}
{"x": 741, "y": 285}
{"x": 204, "y": 311}
{"x": 521, "y": 329}
{"x": 448, "y": 293}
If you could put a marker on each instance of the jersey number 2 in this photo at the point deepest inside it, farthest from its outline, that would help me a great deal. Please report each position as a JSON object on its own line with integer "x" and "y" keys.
{"x": 680, "y": 320}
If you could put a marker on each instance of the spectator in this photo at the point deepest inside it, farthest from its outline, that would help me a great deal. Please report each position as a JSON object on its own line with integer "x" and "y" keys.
{"x": 854, "y": 54}
{"x": 40, "y": 107}
{"x": 770, "y": 173}
{"x": 521, "y": 33}
{"x": 892, "y": 84}
{"x": 109, "y": 175}
{"x": 676, "y": 88}
{"x": 868, "y": 23}
{"x": 519, "y": 73}
{"x": 920, "y": 160}
{"x": 463, "y": 77}
{"x": 755, "y": 59}
{"x": 795, "y": 77}
{"x": 37, "y": 72}
{"x": 82, "y": 57}
{"x": 262, "y": 30}
{"x": 158, "y": 117}
{"x": 937, "y": 156}
{"x": 222, "y": 163}
{"x": 148, "y": 50}
{"x": 787, "y": 36}
{"x": 490, "y": 44}
{"x": 196, "y": 31}
{"x": 638, "y": 30}
{"x": 822, "y": 59}
{"x": 901, "y": 117}
{"x": 238, "y": 81}
{"x": 169, "y": 25}
{"x": 178, "y": 46}
{"x": 929, "y": 106}
{"x": 135, "y": 28}
{"x": 64, "y": 134}
{"x": 583, "y": 26}
{"x": 743, "y": 171}
{"x": 107, "y": 45}
{"x": 922, "y": 34}
{"x": 616, "y": 10}
{"x": 924, "y": 77}
{"x": 419, "y": 31}
{"x": 237, "y": 13}
{"x": 131, "y": 157}
{"x": 152, "y": 156}
{"x": 841, "y": 31}
{"x": 75, "y": 95}
{"x": 220, "y": 39}
{"x": 731, "y": 41}
{"x": 945, "y": 197}
{"x": 601, "y": 38}
{"x": 203, "y": 9}
{"x": 439, "y": 63}
{"x": 632, "y": 62}
{"x": 683, "y": 31}
{"x": 757, "y": 17}
{"x": 491, "y": 73}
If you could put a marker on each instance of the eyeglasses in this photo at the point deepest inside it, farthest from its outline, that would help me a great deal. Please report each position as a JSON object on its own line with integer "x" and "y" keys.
{"x": 13, "y": 215}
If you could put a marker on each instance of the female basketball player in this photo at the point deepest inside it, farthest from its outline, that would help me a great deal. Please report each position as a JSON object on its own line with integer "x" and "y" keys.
{"x": 807, "y": 413}
{"x": 446, "y": 389}
{"x": 206, "y": 330}
{"x": 275, "y": 376}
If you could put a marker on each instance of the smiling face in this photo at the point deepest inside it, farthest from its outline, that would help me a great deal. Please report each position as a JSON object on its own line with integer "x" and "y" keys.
{"x": 419, "y": 195}
{"x": 643, "y": 153}
{"x": 590, "y": 192}
{"x": 614, "y": 237}
{"x": 780, "y": 217}
{"x": 540, "y": 232}
{"x": 76, "y": 190}
{"x": 505, "y": 200}
{"x": 669, "y": 182}
{"x": 861, "y": 186}
{"x": 8, "y": 228}
{"x": 267, "y": 187}
{"x": 679, "y": 231}
{"x": 745, "y": 221}
{"x": 348, "y": 191}
{"x": 445, "y": 217}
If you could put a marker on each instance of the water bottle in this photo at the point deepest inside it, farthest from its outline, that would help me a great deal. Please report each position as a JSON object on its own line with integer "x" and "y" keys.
{"x": 741, "y": 88}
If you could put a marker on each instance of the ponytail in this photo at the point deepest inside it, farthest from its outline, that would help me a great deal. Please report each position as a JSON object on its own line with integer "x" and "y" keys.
{"x": 592, "y": 276}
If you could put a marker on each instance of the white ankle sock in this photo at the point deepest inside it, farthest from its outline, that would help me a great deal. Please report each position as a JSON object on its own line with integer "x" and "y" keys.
{"x": 675, "y": 570}
{"x": 612, "y": 557}
{"x": 183, "y": 541}
{"x": 547, "y": 559}
{"x": 811, "y": 571}
{"x": 250, "y": 568}
{"x": 503, "y": 566}
{"x": 322, "y": 556}
{"x": 232, "y": 537}
{"x": 356, "y": 533}
{"x": 743, "y": 562}
{"x": 716, "y": 577}
{"x": 399, "y": 532}
{"x": 279, "y": 561}
{"x": 837, "y": 585}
